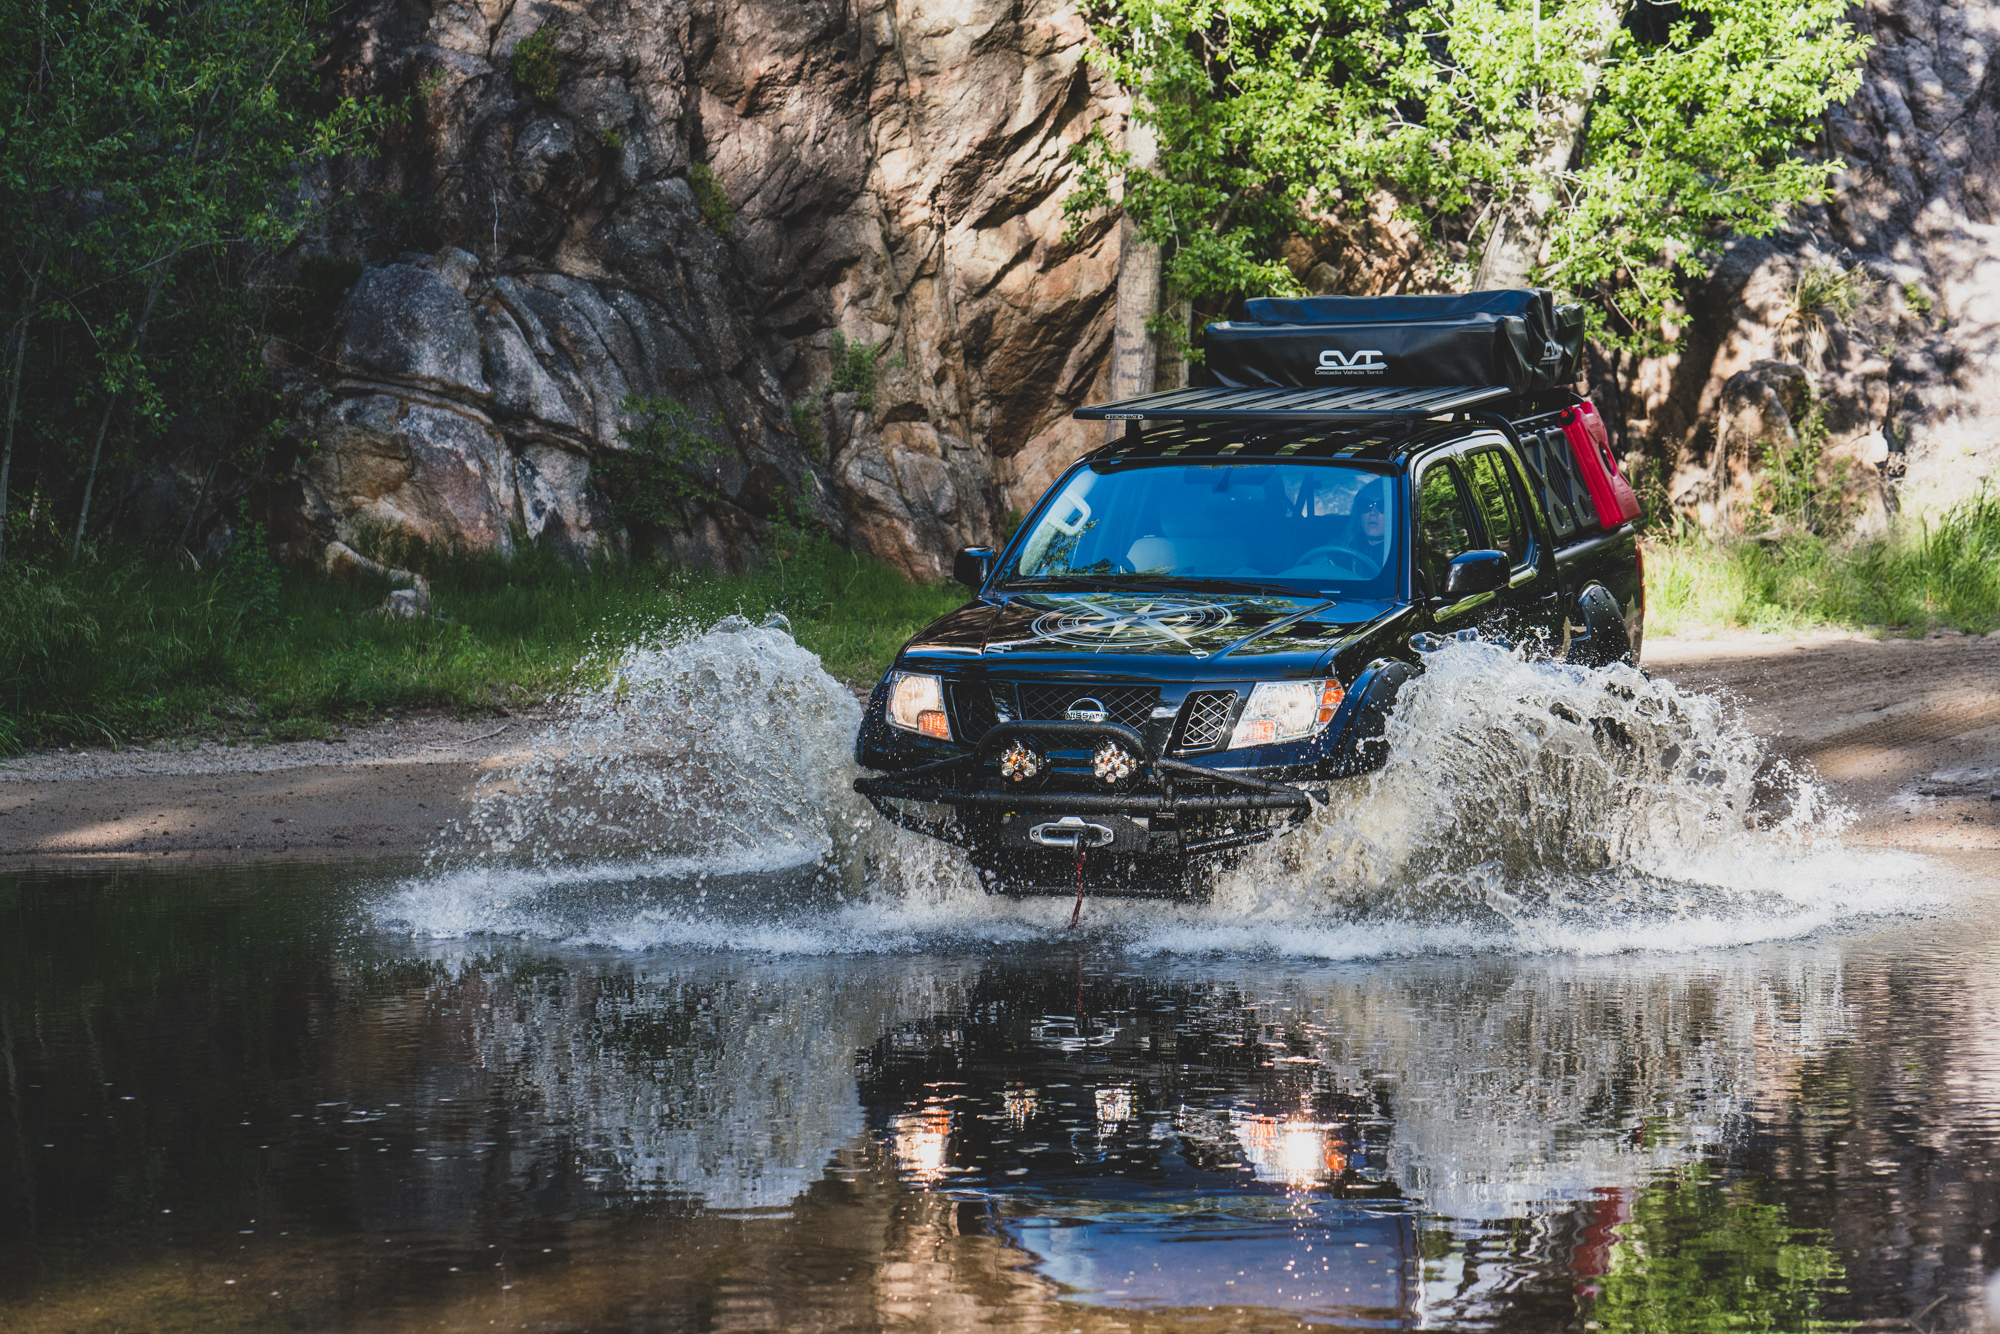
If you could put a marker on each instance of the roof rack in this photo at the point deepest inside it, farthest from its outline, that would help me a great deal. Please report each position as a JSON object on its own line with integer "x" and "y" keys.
{"x": 1351, "y": 403}
{"x": 1280, "y": 440}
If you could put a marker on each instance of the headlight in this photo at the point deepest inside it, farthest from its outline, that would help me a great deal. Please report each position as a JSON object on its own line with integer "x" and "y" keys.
{"x": 1286, "y": 711}
{"x": 916, "y": 704}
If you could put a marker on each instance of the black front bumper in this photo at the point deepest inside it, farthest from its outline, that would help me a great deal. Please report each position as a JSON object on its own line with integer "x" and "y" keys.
{"x": 1189, "y": 796}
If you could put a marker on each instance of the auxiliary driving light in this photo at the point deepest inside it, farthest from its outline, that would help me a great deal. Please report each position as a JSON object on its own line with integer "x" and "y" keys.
{"x": 1022, "y": 763}
{"x": 1113, "y": 764}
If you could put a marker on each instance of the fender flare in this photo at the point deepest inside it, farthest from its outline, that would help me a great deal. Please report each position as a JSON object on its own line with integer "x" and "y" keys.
{"x": 1359, "y": 745}
{"x": 1604, "y": 639}
{"x": 873, "y": 733}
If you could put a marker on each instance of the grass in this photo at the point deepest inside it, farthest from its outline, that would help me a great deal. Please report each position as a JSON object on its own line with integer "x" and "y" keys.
{"x": 1940, "y": 571}
{"x": 123, "y": 648}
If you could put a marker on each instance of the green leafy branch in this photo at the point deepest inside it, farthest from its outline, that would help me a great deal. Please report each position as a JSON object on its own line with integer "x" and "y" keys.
{"x": 668, "y": 465}
{"x": 1284, "y": 118}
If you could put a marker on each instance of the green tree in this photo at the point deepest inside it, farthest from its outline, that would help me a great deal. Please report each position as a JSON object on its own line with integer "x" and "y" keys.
{"x": 138, "y": 135}
{"x": 1602, "y": 146}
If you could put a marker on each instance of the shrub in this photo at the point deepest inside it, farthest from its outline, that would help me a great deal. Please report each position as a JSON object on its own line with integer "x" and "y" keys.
{"x": 108, "y": 650}
{"x": 806, "y": 423}
{"x": 248, "y": 584}
{"x": 856, "y": 367}
{"x": 1924, "y": 573}
{"x": 667, "y": 465}
{"x": 1802, "y": 488}
{"x": 716, "y": 210}
{"x": 121, "y": 647}
{"x": 1917, "y": 301}
{"x": 537, "y": 65}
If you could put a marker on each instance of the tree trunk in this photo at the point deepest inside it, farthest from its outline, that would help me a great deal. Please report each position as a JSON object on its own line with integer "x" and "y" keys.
{"x": 194, "y": 515}
{"x": 1132, "y": 359}
{"x": 97, "y": 451}
{"x": 90, "y": 482}
{"x": 14, "y": 402}
{"x": 1520, "y": 222}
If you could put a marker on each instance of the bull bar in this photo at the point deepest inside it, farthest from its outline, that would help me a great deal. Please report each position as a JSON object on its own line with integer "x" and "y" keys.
{"x": 946, "y": 784}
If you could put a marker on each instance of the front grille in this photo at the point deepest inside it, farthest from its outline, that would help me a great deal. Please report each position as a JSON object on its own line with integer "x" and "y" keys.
{"x": 1205, "y": 718}
{"x": 1052, "y": 700}
{"x": 972, "y": 710}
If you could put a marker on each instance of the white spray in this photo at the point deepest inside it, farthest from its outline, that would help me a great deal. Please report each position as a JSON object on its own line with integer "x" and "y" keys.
{"x": 704, "y": 796}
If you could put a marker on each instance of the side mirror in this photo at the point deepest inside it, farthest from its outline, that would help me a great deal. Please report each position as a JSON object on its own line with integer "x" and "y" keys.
{"x": 1476, "y": 572}
{"x": 971, "y": 566}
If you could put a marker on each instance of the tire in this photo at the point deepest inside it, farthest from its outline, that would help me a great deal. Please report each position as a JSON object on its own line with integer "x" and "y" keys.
{"x": 1604, "y": 640}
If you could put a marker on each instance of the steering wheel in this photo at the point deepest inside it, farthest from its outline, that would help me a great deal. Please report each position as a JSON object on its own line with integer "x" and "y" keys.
{"x": 1357, "y": 562}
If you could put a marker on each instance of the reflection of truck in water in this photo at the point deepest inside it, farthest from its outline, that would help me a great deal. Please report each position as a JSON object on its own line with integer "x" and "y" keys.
{"x": 1211, "y": 615}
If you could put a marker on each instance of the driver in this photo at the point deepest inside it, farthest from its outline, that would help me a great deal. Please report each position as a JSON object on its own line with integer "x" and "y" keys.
{"x": 1371, "y": 521}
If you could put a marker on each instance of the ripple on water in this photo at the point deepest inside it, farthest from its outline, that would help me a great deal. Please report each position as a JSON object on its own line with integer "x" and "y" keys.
{"x": 703, "y": 797}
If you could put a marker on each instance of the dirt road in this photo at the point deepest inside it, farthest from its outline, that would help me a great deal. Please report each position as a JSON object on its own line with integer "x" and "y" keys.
{"x": 1907, "y": 732}
{"x": 378, "y": 791}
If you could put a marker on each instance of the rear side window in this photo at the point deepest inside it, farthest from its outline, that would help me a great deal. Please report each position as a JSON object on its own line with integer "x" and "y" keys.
{"x": 1552, "y": 479}
{"x": 1500, "y": 504}
{"x": 1444, "y": 529}
{"x": 1563, "y": 478}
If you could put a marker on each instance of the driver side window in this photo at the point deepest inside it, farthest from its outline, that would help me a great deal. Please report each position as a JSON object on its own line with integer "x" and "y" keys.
{"x": 1444, "y": 529}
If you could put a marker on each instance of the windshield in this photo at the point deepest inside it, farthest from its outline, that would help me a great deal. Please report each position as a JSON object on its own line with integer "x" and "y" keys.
{"x": 1324, "y": 525}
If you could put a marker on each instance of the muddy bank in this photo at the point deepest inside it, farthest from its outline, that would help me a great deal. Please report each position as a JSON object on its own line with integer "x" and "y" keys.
{"x": 381, "y": 790}
{"x": 1907, "y": 732}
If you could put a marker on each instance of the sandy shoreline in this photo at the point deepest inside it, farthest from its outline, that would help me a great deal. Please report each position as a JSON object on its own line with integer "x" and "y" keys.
{"x": 381, "y": 790}
{"x": 1907, "y": 733}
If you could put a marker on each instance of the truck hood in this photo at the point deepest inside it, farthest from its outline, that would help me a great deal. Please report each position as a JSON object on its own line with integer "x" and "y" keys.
{"x": 1179, "y": 633}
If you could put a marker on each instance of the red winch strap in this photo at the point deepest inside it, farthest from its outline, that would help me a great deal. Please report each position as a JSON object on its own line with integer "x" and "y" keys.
{"x": 1076, "y": 913}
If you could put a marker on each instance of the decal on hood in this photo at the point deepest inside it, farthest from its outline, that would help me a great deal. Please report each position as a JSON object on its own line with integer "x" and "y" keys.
{"x": 1125, "y": 623}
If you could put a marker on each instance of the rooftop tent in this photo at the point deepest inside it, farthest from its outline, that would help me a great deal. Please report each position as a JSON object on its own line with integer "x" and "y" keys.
{"x": 1520, "y": 339}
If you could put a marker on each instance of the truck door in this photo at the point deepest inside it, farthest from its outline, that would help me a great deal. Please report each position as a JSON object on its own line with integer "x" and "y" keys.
{"x": 1445, "y": 528}
{"x": 1531, "y": 605}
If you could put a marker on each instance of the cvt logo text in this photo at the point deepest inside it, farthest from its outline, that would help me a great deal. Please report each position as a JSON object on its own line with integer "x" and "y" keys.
{"x": 1335, "y": 362}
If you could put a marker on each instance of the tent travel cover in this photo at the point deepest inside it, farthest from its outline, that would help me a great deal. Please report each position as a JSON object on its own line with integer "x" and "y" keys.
{"x": 1518, "y": 338}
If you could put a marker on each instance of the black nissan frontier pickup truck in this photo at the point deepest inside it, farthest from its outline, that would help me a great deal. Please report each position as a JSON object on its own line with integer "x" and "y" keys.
{"x": 1204, "y": 622}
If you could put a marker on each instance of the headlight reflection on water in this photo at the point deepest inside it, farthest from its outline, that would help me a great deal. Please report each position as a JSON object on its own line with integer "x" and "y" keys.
{"x": 922, "y": 1142}
{"x": 1291, "y": 1152}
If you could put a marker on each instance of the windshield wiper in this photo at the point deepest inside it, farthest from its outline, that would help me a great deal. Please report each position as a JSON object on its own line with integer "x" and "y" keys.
{"x": 1086, "y": 581}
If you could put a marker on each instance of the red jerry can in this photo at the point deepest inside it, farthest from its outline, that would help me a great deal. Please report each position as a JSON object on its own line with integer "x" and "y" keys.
{"x": 1609, "y": 491}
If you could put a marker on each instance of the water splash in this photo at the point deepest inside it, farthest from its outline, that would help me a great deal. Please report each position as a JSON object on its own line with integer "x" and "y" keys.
{"x": 703, "y": 797}
{"x": 704, "y": 791}
{"x": 1564, "y": 807}
{"x": 709, "y": 745}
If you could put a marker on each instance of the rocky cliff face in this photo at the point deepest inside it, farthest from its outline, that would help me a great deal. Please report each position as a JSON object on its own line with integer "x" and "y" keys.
{"x": 1878, "y": 314}
{"x": 895, "y": 175}
{"x": 707, "y": 201}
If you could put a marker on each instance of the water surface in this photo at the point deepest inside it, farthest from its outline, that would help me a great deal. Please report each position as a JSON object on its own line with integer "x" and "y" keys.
{"x": 235, "y": 1100}
{"x": 1576, "y": 1016}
